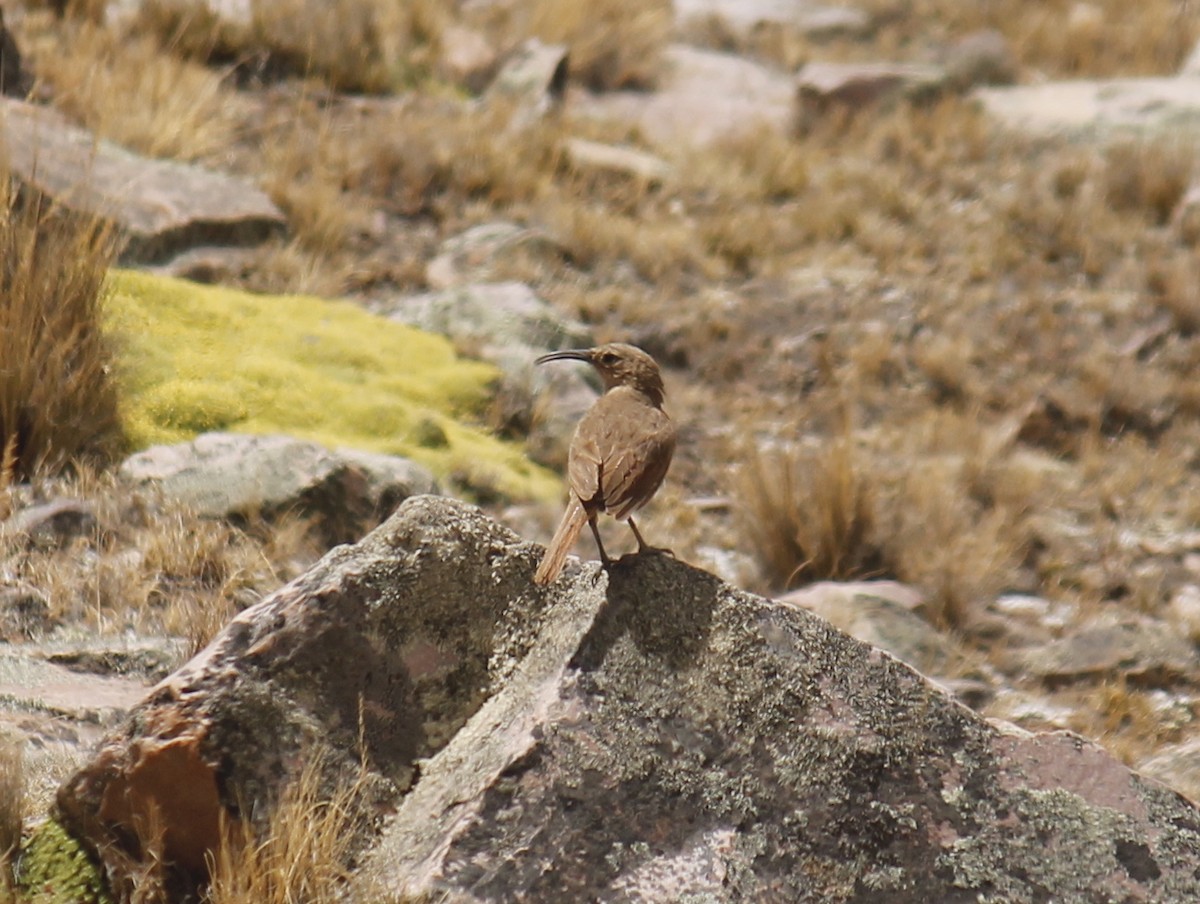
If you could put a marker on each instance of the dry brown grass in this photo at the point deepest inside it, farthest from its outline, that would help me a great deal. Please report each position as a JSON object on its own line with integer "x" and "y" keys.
{"x": 1057, "y": 38}
{"x": 302, "y": 855}
{"x": 58, "y": 400}
{"x": 126, "y": 89}
{"x": 810, "y": 512}
{"x": 613, "y": 44}
{"x": 152, "y": 566}
{"x": 370, "y": 46}
{"x": 12, "y": 812}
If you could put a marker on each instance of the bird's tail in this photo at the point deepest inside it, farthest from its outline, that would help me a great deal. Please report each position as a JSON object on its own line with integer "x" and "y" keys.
{"x": 573, "y": 520}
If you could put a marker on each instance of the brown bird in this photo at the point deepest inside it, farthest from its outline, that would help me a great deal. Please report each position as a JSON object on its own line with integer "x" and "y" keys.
{"x": 620, "y": 452}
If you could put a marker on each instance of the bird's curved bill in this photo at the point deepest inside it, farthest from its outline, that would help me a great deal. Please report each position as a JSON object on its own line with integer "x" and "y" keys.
{"x": 570, "y": 354}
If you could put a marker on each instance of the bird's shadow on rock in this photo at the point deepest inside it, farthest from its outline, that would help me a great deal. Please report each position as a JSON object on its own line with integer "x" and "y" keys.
{"x": 664, "y": 606}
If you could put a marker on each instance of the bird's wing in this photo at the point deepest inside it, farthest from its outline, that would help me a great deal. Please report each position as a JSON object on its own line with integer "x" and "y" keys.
{"x": 634, "y": 475}
{"x": 584, "y": 469}
{"x": 619, "y": 456}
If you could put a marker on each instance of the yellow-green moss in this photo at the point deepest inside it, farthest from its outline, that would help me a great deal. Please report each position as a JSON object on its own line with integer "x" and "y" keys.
{"x": 55, "y": 869}
{"x": 197, "y": 358}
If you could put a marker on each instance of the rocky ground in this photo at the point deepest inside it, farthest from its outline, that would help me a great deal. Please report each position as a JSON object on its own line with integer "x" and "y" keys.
{"x": 923, "y": 279}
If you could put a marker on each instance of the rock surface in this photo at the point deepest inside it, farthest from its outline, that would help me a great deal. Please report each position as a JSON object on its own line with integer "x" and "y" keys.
{"x": 702, "y": 96}
{"x": 475, "y": 255}
{"x": 231, "y": 474}
{"x": 883, "y": 614}
{"x": 507, "y": 324}
{"x": 51, "y": 524}
{"x": 642, "y": 733}
{"x": 1140, "y": 649}
{"x": 821, "y": 87}
{"x": 56, "y": 709}
{"x": 1099, "y": 107}
{"x": 160, "y": 206}
{"x": 743, "y": 17}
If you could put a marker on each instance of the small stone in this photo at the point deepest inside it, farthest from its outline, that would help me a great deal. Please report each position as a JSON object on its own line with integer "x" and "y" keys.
{"x": 534, "y": 75}
{"x": 883, "y": 614}
{"x": 702, "y": 96}
{"x": 1191, "y": 65}
{"x": 230, "y": 475}
{"x": 742, "y": 18}
{"x": 24, "y": 614}
{"x": 473, "y": 256}
{"x": 53, "y": 524}
{"x": 467, "y": 58}
{"x": 1184, "y": 610}
{"x": 1185, "y": 219}
{"x": 1100, "y": 108}
{"x": 509, "y": 325}
{"x": 981, "y": 58}
{"x": 1178, "y": 766}
{"x": 160, "y": 206}
{"x": 625, "y": 161}
{"x": 1135, "y": 649}
{"x": 821, "y": 87}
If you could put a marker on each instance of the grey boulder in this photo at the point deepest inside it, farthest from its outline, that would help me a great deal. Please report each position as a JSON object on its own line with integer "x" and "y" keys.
{"x": 642, "y": 733}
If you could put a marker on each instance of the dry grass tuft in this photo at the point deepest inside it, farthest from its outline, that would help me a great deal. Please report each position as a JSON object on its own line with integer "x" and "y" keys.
{"x": 154, "y": 567}
{"x": 302, "y": 855}
{"x": 961, "y": 554}
{"x": 12, "y": 812}
{"x": 1056, "y": 38}
{"x": 613, "y": 44}
{"x": 353, "y": 45}
{"x": 58, "y": 401}
{"x": 124, "y": 88}
{"x": 370, "y": 46}
{"x": 810, "y": 512}
{"x": 1149, "y": 176}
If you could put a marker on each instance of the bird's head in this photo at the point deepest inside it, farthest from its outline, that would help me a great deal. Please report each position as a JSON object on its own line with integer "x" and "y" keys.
{"x": 618, "y": 365}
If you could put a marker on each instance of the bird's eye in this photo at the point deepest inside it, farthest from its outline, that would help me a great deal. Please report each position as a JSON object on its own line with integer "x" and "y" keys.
{"x": 609, "y": 358}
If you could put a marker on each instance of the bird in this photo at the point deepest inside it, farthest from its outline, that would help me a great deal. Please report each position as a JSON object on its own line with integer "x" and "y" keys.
{"x": 620, "y": 452}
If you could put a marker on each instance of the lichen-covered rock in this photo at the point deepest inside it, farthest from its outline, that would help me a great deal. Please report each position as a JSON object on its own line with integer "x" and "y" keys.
{"x": 640, "y": 733}
{"x": 230, "y": 475}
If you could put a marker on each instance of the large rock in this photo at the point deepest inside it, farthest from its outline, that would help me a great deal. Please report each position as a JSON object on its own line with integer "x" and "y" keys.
{"x": 160, "y": 206}
{"x": 1101, "y": 108}
{"x": 222, "y": 475}
{"x": 702, "y": 96}
{"x": 645, "y": 733}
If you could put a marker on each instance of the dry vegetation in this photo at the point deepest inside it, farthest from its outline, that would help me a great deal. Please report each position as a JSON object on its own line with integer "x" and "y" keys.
{"x": 148, "y": 565}
{"x": 12, "y": 813}
{"x": 301, "y": 856}
{"x": 905, "y": 345}
{"x": 57, "y": 397}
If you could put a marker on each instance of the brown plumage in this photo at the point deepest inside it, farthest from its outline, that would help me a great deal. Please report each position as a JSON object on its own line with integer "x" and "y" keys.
{"x": 620, "y": 452}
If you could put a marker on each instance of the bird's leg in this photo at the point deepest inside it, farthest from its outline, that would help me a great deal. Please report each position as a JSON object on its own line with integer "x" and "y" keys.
{"x": 604, "y": 559}
{"x": 643, "y": 546}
